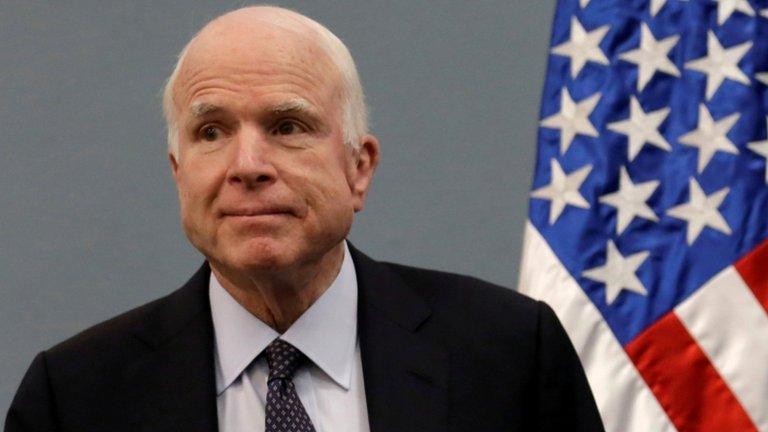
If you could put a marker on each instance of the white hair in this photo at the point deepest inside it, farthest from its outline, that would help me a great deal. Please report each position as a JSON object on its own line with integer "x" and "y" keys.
{"x": 353, "y": 108}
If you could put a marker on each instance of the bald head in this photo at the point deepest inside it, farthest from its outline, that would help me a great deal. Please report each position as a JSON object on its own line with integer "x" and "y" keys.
{"x": 239, "y": 39}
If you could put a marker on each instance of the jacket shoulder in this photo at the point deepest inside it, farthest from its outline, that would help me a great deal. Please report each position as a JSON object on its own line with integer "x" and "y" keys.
{"x": 112, "y": 333}
{"x": 470, "y": 300}
{"x": 433, "y": 283}
{"x": 162, "y": 316}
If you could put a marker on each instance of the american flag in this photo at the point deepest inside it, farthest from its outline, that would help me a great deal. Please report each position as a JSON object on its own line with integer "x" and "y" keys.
{"x": 648, "y": 216}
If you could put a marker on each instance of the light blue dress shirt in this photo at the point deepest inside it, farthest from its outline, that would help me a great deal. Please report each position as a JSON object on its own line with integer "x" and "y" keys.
{"x": 330, "y": 386}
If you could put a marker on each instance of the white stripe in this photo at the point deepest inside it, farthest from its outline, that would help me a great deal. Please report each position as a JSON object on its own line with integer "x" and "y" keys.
{"x": 623, "y": 398}
{"x": 730, "y": 325}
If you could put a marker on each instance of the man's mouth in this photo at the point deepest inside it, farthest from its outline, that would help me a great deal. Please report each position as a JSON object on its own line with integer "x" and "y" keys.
{"x": 256, "y": 212}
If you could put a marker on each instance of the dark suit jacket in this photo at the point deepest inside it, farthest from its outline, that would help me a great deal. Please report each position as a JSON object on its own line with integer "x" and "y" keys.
{"x": 440, "y": 352}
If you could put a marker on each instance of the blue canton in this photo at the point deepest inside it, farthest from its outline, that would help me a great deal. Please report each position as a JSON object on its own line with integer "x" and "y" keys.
{"x": 692, "y": 140}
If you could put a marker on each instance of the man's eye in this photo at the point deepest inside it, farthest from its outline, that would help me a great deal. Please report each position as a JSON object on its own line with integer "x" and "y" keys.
{"x": 288, "y": 127}
{"x": 210, "y": 133}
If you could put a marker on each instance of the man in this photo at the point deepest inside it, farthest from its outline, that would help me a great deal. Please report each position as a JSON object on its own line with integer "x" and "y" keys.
{"x": 287, "y": 327}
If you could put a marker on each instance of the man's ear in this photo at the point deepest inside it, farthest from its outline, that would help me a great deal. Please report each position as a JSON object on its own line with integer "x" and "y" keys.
{"x": 365, "y": 160}
{"x": 174, "y": 166}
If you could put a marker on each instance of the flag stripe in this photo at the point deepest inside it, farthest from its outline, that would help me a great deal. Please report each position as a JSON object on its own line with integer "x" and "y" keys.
{"x": 753, "y": 268}
{"x": 717, "y": 316}
{"x": 625, "y": 402}
{"x": 684, "y": 381}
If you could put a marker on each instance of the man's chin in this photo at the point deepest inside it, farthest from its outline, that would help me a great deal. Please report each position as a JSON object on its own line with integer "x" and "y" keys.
{"x": 259, "y": 255}
{"x": 260, "y": 265}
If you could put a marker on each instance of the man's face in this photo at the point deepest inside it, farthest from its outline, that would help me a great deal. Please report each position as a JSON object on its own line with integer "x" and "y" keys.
{"x": 264, "y": 178}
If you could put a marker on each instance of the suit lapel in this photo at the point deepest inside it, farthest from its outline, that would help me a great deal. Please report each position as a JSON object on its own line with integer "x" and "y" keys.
{"x": 405, "y": 374}
{"x": 172, "y": 387}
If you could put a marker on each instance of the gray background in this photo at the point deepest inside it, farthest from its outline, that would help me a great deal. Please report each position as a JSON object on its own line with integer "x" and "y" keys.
{"x": 88, "y": 214}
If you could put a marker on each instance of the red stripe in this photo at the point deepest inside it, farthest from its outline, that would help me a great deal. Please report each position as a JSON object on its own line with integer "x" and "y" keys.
{"x": 753, "y": 268}
{"x": 684, "y": 381}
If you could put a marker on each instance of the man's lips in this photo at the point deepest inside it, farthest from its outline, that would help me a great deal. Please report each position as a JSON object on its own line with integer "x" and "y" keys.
{"x": 247, "y": 212}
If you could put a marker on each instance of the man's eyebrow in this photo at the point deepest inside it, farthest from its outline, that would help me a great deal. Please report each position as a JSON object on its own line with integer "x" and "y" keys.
{"x": 297, "y": 106}
{"x": 199, "y": 109}
{"x": 294, "y": 106}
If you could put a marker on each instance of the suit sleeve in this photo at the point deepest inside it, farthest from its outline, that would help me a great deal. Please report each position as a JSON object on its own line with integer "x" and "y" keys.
{"x": 32, "y": 409}
{"x": 565, "y": 401}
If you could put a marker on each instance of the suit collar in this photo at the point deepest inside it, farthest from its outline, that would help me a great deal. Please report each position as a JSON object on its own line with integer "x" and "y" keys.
{"x": 173, "y": 313}
{"x": 386, "y": 292}
{"x": 172, "y": 386}
{"x": 405, "y": 372}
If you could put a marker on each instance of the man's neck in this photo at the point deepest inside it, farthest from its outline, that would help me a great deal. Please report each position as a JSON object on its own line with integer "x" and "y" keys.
{"x": 280, "y": 298}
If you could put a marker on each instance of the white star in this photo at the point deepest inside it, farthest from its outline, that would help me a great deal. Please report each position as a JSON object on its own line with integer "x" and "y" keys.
{"x": 710, "y": 136}
{"x": 583, "y": 3}
{"x": 656, "y": 6}
{"x": 762, "y": 77}
{"x": 726, "y": 8}
{"x": 563, "y": 190}
{"x": 720, "y": 63}
{"x": 629, "y": 201}
{"x": 701, "y": 211}
{"x": 573, "y": 118}
{"x": 761, "y": 148}
{"x": 582, "y": 46}
{"x": 618, "y": 273}
{"x": 641, "y": 128}
{"x": 651, "y": 57}
{"x": 764, "y": 13}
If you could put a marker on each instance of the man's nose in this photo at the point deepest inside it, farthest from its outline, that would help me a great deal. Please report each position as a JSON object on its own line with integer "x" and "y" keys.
{"x": 252, "y": 165}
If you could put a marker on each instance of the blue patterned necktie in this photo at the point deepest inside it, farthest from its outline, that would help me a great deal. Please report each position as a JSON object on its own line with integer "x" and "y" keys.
{"x": 285, "y": 413}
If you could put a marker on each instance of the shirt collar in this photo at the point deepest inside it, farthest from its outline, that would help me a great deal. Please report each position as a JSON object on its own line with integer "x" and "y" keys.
{"x": 326, "y": 332}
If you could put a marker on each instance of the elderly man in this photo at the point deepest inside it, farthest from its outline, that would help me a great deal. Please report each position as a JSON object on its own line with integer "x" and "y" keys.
{"x": 286, "y": 326}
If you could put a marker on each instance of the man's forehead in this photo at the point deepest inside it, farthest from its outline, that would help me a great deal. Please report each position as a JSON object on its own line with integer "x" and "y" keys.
{"x": 255, "y": 59}
{"x": 253, "y": 54}
{"x": 259, "y": 48}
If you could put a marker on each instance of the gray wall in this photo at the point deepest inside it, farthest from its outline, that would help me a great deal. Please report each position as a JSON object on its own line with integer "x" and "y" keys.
{"x": 88, "y": 215}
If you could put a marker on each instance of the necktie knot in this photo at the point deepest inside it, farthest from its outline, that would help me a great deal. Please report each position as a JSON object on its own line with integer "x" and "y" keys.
{"x": 283, "y": 359}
